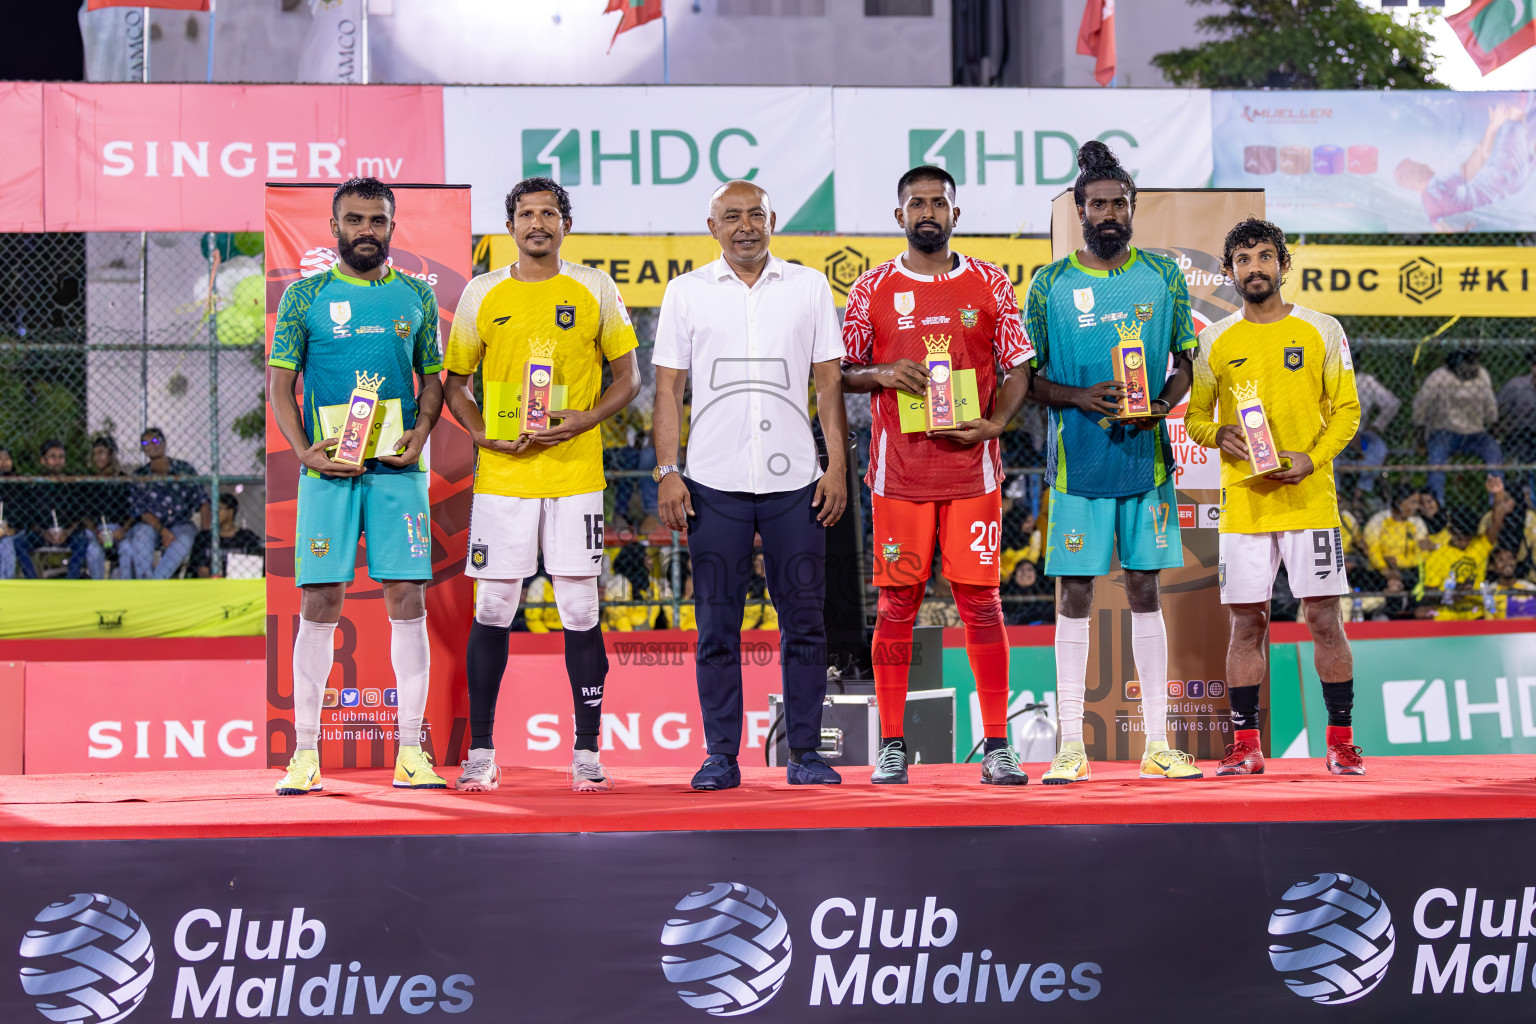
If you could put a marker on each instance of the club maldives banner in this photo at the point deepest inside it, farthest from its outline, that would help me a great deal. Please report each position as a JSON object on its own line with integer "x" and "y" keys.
{"x": 903, "y": 925}
{"x": 1368, "y": 161}
{"x": 1009, "y": 150}
{"x": 194, "y": 157}
{"x": 358, "y": 720}
{"x": 21, "y": 169}
{"x": 644, "y": 159}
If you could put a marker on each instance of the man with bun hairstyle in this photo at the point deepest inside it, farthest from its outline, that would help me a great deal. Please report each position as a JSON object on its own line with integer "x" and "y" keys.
{"x": 1112, "y": 482}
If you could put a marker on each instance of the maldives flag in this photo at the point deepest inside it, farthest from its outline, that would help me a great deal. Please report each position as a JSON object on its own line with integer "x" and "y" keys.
{"x": 1494, "y": 31}
{"x": 1096, "y": 38}
{"x": 175, "y": 5}
{"x": 636, "y": 13}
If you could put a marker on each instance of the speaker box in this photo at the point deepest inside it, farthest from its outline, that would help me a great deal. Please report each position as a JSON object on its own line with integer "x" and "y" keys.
{"x": 850, "y": 729}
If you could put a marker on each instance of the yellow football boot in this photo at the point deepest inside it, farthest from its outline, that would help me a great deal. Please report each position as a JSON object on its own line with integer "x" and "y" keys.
{"x": 1159, "y": 762}
{"x": 303, "y": 774}
{"x": 1071, "y": 765}
{"x": 413, "y": 770}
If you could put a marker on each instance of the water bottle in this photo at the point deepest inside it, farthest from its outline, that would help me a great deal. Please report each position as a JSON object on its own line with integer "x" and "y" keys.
{"x": 1358, "y": 612}
{"x": 1036, "y": 741}
{"x": 105, "y": 535}
{"x": 1490, "y": 606}
{"x": 1448, "y": 592}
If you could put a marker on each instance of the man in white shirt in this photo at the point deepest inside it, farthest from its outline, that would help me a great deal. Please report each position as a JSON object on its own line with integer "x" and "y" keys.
{"x": 753, "y": 329}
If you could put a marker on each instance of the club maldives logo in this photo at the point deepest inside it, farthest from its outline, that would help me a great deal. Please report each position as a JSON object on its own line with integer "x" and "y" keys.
{"x": 728, "y": 949}
{"x": 88, "y": 960}
{"x": 1333, "y": 938}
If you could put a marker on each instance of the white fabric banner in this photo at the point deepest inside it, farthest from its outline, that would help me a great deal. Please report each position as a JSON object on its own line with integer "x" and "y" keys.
{"x": 643, "y": 159}
{"x": 1010, "y": 150}
{"x": 333, "y": 50}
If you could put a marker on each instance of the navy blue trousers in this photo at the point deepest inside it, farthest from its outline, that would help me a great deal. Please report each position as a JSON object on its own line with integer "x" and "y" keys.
{"x": 794, "y": 561}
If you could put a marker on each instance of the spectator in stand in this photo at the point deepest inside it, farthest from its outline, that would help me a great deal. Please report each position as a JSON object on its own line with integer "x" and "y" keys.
{"x": 1392, "y": 539}
{"x": 627, "y": 446}
{"x": 1519, "y": 533}
{"x": 7, "y": 532}
{"x": 1368, "y": 449}
{"x": 163, "y": 514}
{"x": 1501, "y": 568}
{"x": 1021, "y": 537}
{"x": 938, "y": 607}
{"x": 46, "y": 519}
{"x": 104, "y": 502}
{"x": 760, "y": 612}
{"x": 234, "y": 539}
{"x": 1434, "y": 516}
{"x": 628, "y": 590}
{"x": 1456, "y": 569}
{"x": 1028, "y": 597}
{"x": 1517, "y": 421}
{"x": 1455, "y": 409}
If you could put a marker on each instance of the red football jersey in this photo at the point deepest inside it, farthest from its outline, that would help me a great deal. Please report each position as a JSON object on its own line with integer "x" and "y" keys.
{"x": 890, "y": 311}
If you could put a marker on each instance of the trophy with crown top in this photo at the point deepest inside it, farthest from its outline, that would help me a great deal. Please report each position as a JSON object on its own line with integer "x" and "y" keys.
{"x": 941, "y": 384}
{"x": 1263, "y": 455}
{"x": 362, "y": 411}
{"x": 1130, "y": 363}
{"x": 538, "y": 384}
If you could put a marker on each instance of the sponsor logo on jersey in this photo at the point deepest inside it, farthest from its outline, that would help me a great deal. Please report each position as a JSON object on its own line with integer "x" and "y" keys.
{"x": 1111, "y": 318}
{"x": 1143, "y": 311}
{"x": 341, "y": 312}
{"x": 1237, "y": 362}
{"x": 370, "y": 329}
{"x": 968, "y": 317}
{"x": 403, "y": 327}
{"x": 479, "y": 555}
{"x": 565, "y": 317}
{"x": 1084, "y": 299}
{"x": 1073, "y": 542}
{"x": 927, "y": 320}
{"x": 1293, "y": 357}
{"x": 320, "y": 546}
{"x": 905, "y": 303}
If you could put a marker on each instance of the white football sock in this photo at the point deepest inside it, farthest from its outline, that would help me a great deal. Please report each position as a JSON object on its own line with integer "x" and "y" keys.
{"x": 411, "y": 656}
{"x": 1071, "y": 676}
{"x": 314, "y": 651}
{"x": 1149, "y": 648}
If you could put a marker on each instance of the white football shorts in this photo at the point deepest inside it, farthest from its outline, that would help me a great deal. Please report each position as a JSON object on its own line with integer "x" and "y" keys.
{"x": 506, "y": 535}
{"x": 1314, "y": 563}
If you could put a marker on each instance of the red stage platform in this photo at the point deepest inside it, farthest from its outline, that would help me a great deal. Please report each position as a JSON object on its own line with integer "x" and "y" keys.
{"x": 361, "y": 802}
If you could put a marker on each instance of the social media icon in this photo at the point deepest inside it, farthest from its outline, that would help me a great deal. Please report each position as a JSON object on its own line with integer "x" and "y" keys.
{"x": 391, "y": 697}
{"x": 1175, "y": 688}
{"x": 1215, "y": 688}
{"x": 349, "y": 697}
{"x": 1195, "y": 688}
{"x": 1132, "y": 690}
{"x": 330, "y": 697}
{"x": 371, "y": 698}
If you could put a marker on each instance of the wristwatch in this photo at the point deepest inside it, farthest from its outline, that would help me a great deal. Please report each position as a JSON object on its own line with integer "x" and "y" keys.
{"x": 661, "y": 471}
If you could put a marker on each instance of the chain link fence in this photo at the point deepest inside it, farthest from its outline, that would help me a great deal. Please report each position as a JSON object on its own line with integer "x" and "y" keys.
{"x": 130, "y": 404}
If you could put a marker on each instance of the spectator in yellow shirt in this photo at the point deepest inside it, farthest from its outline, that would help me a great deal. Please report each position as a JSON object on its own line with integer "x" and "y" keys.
{"x": 1392, "y": 536}
{"x": 1457, "y": 568}
{"x": 1502, "y": 568}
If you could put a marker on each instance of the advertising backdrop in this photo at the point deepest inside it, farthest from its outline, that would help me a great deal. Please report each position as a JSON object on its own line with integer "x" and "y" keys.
{"x": 1319, "y": 921}
{"x": 193, "y": 157}
{"x": 21, "y": 169}
{"x": 643, "y": 159}
{"x": 1010, "y": 150}
{"x": 358, "y": 721}
{"x": 1373, "y": 161}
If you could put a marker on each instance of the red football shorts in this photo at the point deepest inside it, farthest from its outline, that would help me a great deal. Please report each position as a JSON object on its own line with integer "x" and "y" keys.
{"x": 966, "y": 529}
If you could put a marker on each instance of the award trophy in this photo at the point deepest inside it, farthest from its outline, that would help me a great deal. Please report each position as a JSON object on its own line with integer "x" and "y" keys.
{"x": 538, "y": 385}
{"x": 1263, "y": 456}
{"x": 941, "y": 390}
{"x": 362, "y": 409}
{"x": 1130, "y": 364}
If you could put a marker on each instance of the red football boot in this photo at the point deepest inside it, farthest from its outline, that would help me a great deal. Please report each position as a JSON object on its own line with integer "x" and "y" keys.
{"x": 1243, "y": 755}
{"x": 1343, "y": 756}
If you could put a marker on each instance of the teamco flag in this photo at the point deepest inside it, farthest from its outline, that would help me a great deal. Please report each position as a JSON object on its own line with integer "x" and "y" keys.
{"x": 1495, "y": 31}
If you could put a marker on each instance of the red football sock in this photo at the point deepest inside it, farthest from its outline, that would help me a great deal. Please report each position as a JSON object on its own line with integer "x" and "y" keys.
{"x": 892, "y": 655}
{"x": 986, "y": 647}
{"x": 1248, "y": 737}
{"x": 1338, "y": 734}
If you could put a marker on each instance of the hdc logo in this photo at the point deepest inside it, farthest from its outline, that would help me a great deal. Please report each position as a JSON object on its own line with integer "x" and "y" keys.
{"x": 1419, "y": 711}
{"x": 1054, "y": 151}
{"x": 672, "y": 158}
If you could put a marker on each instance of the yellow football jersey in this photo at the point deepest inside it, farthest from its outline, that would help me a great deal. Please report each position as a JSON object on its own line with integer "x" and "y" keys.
{"x": 1306, "y": 380}
{"x": 579, "y": 309}
{"x": 1460, "y": 570}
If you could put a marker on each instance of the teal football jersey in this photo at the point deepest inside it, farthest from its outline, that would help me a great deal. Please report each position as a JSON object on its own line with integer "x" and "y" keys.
{"x": 332, "y": 327}
{"x": 1072, "y": 317}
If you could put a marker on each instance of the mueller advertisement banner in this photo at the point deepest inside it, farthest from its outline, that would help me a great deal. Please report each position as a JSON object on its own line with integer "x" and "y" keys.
{"x": 358, "y": 720}
{"x": 1373, "y": 161}
{"x": 1439, "y": 695}
{"x": 1189, "y": 227}
{"x": 194, "y": 157}
{"x": 1009, "y": 150}
{"x": 1318, "y": 921}
{"x": 21, "y": 170}
{"x": 143, "y": 716}
{"x": 644, "y": 159}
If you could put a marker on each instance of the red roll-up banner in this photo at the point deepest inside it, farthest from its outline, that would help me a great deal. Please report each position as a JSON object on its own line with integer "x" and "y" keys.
{"x": 358, "y": 721}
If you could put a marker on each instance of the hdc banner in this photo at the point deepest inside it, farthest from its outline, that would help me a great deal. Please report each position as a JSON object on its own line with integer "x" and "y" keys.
{"x": 431, "y": 242}
{"x": 193, "y": 157}
{"x": 1188, "y": 226}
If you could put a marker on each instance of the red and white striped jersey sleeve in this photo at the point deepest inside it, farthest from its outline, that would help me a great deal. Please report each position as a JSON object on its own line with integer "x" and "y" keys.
{"x": 858, "y": 323}
{"x": 1011, "y": 343}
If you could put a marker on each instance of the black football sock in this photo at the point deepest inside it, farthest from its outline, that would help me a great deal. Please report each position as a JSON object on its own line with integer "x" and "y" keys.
{"x": 893, "y": 741}
{"x": 485, "y": 662}
{"x": 586, "y": 663}
{"x": 1339, "y": 699}
{"x": 992, "y": 743}
{"x": 1245, "y": 706}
